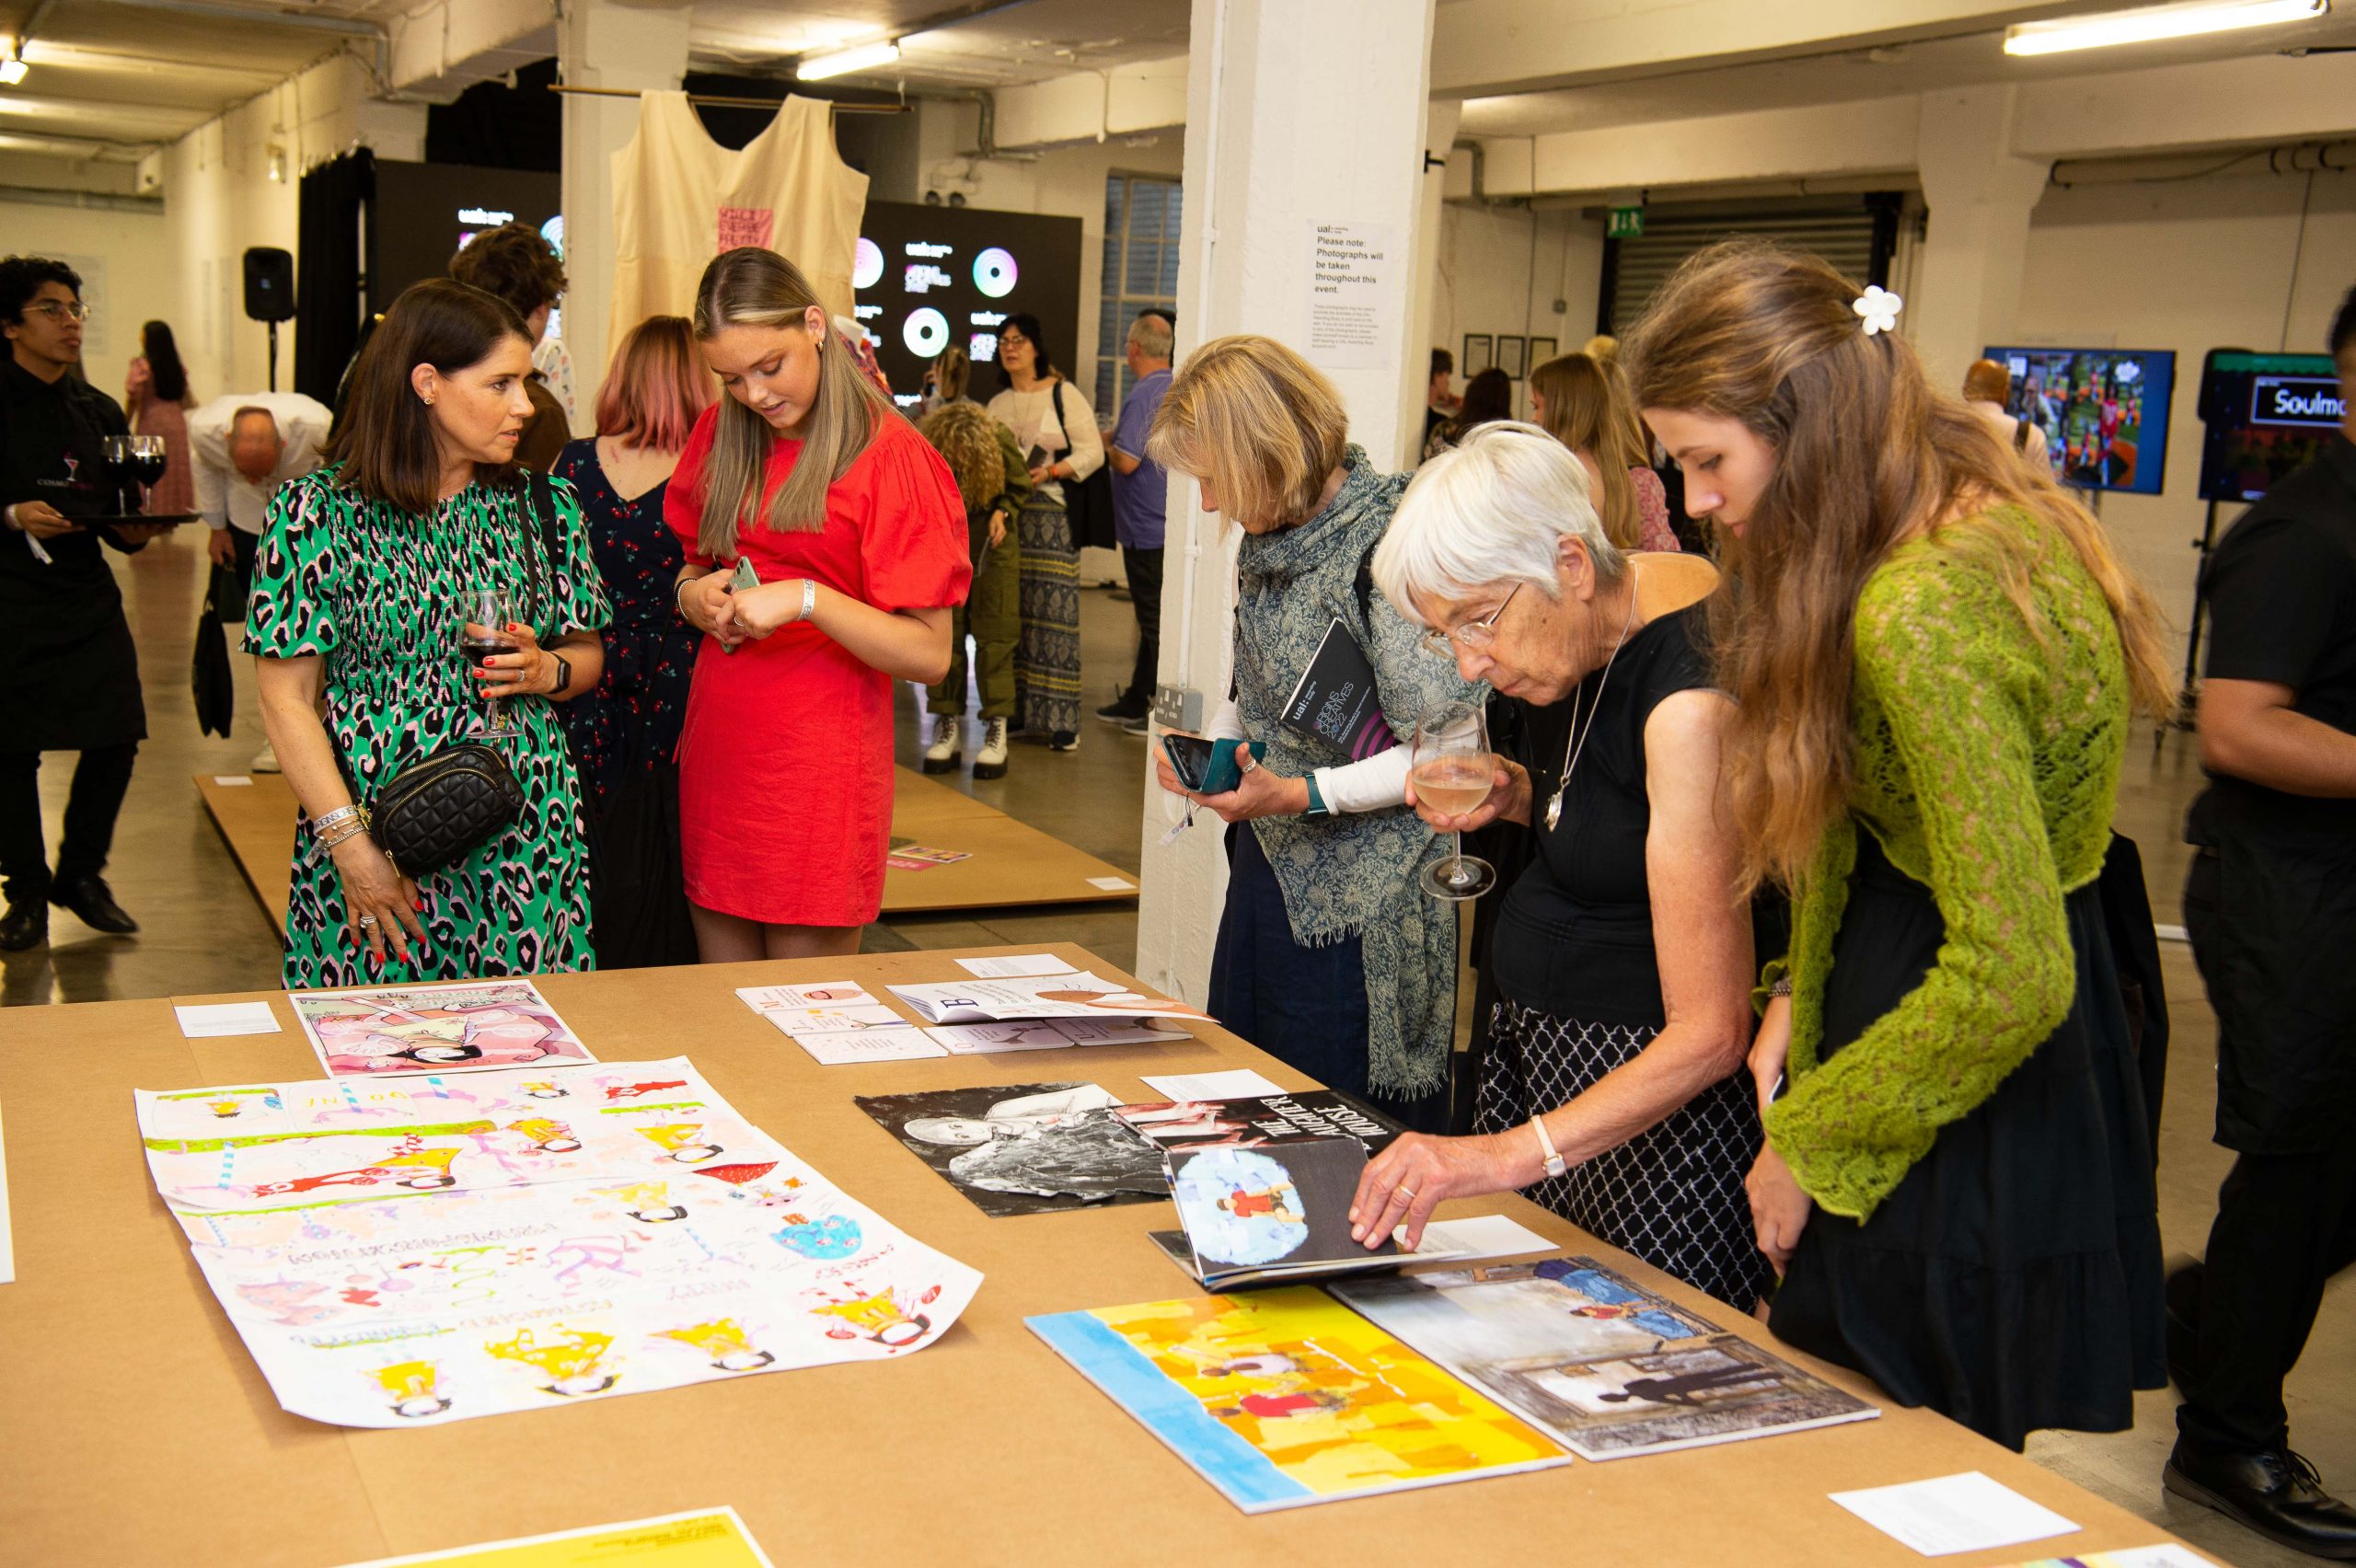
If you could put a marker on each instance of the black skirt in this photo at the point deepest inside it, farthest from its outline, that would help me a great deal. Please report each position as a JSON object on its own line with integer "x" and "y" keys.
{"x": 2011, "y": 1280}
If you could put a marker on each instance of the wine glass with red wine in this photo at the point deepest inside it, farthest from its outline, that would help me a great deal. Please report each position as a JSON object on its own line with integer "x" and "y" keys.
{"x": 123, "y": 466}
{"x": 148, "y": 460}
{"x": 488, "y": 610}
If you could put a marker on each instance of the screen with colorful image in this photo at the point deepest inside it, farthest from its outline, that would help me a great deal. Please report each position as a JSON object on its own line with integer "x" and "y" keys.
{"x": 2104, "y": 411}
{"x": 2264, "y": 415}
{"x": 926, "y": 277}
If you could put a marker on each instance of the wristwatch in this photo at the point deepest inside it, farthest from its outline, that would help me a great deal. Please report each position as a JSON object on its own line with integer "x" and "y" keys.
{"x": 563, "y": 674}
{"x": 1555, "y": 1164}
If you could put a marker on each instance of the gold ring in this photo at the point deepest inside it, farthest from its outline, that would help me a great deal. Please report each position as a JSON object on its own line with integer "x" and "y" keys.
{"x": 1408, "y": 1192}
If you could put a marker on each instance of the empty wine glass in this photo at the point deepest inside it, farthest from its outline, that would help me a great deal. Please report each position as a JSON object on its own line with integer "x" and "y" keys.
{"x": 488, "y": 609}
{"x": 1453, "y": 770}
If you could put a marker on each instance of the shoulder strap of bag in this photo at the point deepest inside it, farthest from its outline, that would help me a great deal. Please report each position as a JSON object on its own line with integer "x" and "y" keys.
{"x": 539, "y": 509}
{"x": 2020, "y": 433}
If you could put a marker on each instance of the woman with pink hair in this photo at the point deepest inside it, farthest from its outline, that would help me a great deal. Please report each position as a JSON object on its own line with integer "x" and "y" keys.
{"x": 625, "y": 734}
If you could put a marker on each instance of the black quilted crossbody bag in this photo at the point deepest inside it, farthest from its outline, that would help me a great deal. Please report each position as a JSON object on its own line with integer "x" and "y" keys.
{"x": 442, "y": 807}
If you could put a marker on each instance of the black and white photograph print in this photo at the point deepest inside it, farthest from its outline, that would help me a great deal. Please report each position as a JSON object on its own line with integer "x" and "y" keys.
{"x": 1025, "y": 1148}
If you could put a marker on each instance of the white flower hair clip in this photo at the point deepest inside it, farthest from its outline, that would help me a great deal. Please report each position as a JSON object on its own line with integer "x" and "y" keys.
{"x": 1880, "y": 307}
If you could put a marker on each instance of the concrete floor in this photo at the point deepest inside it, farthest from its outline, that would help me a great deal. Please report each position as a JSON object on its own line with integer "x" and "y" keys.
{"x": 204, "y": 933}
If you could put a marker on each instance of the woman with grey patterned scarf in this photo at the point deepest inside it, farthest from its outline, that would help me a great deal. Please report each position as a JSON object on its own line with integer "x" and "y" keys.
{"x": 1329, "y": 955}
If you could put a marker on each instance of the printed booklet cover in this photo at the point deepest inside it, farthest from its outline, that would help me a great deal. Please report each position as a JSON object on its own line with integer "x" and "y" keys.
{"x": 1024, "y": 1148}
{"x": 1285, "y": 1398}
{"x": 1335, "y": 700}
{"x": 1604, "y": 1365}
{"x": 473, "y": 1026}
{"x": 1256, "y": 1121}
{"x": 1254, "y": 1215}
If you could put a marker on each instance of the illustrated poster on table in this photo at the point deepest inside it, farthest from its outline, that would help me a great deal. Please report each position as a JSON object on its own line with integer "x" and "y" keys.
{"x": 471, "y": 1026}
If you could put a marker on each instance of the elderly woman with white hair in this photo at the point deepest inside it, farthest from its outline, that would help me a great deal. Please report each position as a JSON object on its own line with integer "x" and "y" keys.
{"x": 1611, "y": 1092}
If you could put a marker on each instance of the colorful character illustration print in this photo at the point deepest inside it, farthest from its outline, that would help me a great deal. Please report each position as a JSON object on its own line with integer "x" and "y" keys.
{"x": 544, "y": 1088}
{"x": 410, "y": 1164}
{"x": 647, "y": 1202}
{"x": 683, "y": 1140}
{"x": 888, "y": 1317}
{"x": 402, "y": 1040}
{"x": 831, "y": 1236}
{"x": 573, "y": 1359}
{"x": 635, "y": 1090}
{"x": 730, "y": 1348}
{"x": 547, "y": 1135}
{"x": 415, "y": 1387}
{"x": 288, "y": 1301}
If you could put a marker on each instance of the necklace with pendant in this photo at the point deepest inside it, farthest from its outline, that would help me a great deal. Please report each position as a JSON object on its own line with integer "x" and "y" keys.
{"x": 1576, "y": 741}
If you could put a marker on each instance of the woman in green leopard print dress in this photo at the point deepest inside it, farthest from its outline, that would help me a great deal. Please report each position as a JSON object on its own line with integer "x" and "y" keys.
{"x": 359, "y": 597}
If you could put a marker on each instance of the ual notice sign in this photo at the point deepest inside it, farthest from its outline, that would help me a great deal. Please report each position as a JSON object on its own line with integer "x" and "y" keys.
{"x": 1352, "y": 271}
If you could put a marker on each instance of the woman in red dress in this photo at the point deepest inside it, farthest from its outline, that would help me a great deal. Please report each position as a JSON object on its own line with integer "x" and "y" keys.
{"x": 851, "y": 524}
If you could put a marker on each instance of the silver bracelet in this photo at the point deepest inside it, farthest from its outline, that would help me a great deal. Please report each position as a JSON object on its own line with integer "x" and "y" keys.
{"x": 809, "y": 598}
{"x": 323, "y": 846}
{"x": 326, "y": 820}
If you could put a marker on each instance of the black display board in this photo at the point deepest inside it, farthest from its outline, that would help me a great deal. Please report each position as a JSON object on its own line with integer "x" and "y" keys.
{"x": 2264, "y": 414}
{"x": 926, "y": 277}
{"x": 425, "y": 211}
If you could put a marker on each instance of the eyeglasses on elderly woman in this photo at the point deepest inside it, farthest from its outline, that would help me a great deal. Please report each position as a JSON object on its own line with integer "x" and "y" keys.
{"x": 1473, "y": 636}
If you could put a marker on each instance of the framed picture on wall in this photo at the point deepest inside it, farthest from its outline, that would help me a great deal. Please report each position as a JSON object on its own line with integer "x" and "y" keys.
{"x": 1540, "y": 350}
{"x": 1510, "y": 356}
{"x": 1476, "y": 357}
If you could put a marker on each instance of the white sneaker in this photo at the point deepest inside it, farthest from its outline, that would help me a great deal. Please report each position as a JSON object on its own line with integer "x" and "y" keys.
{"x": 265, "y": 760}
{"x": 990, "y": 761}
{"x": 942, "y": 754}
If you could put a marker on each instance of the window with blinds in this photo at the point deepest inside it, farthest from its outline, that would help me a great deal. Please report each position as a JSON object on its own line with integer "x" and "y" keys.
{"x": 1842, "y": 232}
{"x": 1141, "y": 216}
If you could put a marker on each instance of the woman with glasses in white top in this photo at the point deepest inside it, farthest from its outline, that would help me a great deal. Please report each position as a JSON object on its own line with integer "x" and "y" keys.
{"x": 1612, "y": 1090}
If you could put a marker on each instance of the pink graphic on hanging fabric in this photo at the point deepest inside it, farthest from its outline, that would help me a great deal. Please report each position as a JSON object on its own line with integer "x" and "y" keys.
{"x": 747, "y": 225}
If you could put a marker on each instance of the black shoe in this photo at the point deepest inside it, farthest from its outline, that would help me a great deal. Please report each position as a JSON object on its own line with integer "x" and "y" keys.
{"x": 1122, "y": 711}
{"x": 2183, "y": 1297}
{"x": 25, "y": 926}
{"x": 1063, "y": 741}
{"x": 88, "y": 899}
{"x": 2277, "y": 1493}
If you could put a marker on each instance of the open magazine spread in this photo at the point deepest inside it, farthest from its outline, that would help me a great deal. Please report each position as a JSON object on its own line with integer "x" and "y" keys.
{"x": 425, "y": 1250}
{"x": 1268, "y": 1213}
{"x": 1609, "y": 1368}
{"x": 1077, "y": 995}
{"x": 1284, "y": 1398}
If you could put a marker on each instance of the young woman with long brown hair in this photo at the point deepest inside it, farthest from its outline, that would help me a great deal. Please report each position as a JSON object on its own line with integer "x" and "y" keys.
{"x": 805, "y": 473}
{"x": 1584, "y": 404}
{"x": 1934, "y": 656}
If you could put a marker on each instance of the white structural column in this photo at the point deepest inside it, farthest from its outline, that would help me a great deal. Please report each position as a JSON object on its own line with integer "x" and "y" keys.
{"x": 1300, "y": 114}
{"x": 1967, "y": 288}
{"x": 601, "y": 44}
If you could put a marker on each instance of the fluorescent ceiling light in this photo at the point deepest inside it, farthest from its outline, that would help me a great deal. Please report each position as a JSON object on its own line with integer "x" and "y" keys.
{"x": 2156, "y": 22}
{"x": 12, "y": 71}
{"x": 843, "y": 61}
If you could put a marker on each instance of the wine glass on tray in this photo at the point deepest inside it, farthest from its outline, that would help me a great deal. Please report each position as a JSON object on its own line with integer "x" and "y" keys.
{"x": 148, "y": 460}
{"x": 1453, "y": 770}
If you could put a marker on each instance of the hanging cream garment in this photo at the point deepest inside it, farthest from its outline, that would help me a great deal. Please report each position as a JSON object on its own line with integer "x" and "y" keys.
{"x": 680, "y": 199}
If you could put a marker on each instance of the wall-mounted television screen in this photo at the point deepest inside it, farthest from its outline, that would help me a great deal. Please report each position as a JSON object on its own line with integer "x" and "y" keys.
{"x": 427, "y": 213}
{"x": 2264, "y": 414}
{"x": 2104, "y": 411}
{"x": 926, "y": 277}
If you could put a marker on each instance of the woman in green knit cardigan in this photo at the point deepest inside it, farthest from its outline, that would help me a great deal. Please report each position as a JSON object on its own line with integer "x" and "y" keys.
{"x": 1934, "y": 657}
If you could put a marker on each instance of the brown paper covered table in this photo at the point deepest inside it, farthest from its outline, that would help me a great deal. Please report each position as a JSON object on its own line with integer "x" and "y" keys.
{"x": 137, "y": 1430}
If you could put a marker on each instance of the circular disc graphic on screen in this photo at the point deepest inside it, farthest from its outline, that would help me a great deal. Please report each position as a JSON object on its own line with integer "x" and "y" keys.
{"x": 994, "y": 272}
{"x": 553, "y": 232}
{"x": 1240, "y": 1206}
{"x": 925, "y": 332}
{"x": 866, "y": 264}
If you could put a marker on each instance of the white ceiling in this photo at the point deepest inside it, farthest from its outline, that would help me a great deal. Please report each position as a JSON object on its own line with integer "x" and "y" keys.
{"x": 1006, "y": 47}
{"x": 1972, "y": 59}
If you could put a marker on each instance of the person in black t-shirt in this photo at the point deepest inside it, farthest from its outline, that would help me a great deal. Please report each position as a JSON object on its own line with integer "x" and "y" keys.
{"x": 1626, "y": 1114}
{"x": 2271, "y": 906}
{"x": 69, "y": 674}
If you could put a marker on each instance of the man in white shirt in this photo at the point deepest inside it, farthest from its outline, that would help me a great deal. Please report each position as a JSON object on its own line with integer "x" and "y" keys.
{"x": 243, "y": 447}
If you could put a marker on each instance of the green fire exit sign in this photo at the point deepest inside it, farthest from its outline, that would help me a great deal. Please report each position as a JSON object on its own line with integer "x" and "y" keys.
{"x": 1627, "y": 222}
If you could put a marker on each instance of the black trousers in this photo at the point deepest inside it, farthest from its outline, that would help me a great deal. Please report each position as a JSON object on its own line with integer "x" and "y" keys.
{"x": 100, "y": 779}
{"x": 1144, "y": 569}
{"x": 2286, "y": 1223}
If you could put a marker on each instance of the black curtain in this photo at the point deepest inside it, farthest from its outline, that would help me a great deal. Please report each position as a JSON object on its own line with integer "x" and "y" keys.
{"x": 329, "y": 271}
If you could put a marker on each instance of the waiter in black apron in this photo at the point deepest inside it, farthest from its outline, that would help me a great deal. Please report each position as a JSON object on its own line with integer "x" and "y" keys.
{"x": 2270, "y": 906}
{"x": 69, "y": 675}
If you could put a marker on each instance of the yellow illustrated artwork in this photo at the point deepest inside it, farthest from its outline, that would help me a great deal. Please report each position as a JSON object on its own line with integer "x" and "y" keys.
{"x": 725, "y": 1343}
{"x": 1330, "y": 1401}
{"x": 547, "y": 1135}
{"x": 574, "y": 1360}
{"x": 414, "y": 1388}
{"x": 683, "y": 1140}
